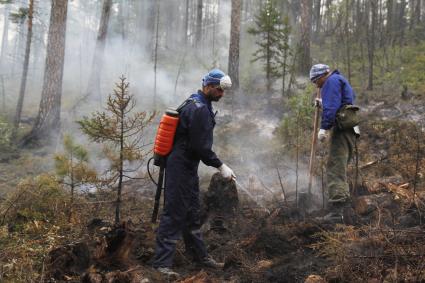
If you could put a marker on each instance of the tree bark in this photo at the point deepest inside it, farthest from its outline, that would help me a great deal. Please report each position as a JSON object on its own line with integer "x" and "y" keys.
{"x": 198, "y": 35}
{"x": 390, "y": 17}
{"x": 305, "y": 58}
{"x": 93, "y": 86}
{"x": 4, "y": 40}
{"x": 371, "y": 41}
{"x": 401, "y": 20}
{"x": 317, "y": 19}
{"x": 186, "y": 24}
{"x": 328, "y": 16}
{"x": 155, "y": 66}
{"x": 347, "y": 38}
{"x": 235, "y": 28}
{"x": 123, "y": 18}
{"x": 48, "y": 118}
{"x": 17, "y": 118}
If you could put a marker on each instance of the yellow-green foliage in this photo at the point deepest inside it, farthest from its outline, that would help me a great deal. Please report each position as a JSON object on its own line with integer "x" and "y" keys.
{"x": 30, "y": 225}
{"x": 413, "y": 68}
{"x": 295, "y": 129}
{"x": 72, "y": 165}
{"x": 5, "y": 136}
{"x": 35, "y": 199}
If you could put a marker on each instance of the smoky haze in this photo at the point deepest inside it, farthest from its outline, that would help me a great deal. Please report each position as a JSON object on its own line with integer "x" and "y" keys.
{"x": 129, "y": 51}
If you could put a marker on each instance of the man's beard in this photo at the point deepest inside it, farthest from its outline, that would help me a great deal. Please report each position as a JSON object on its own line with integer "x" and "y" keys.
{"x": 210, "y": 96}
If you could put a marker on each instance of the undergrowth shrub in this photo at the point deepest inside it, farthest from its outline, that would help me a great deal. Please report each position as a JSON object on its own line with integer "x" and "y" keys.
{"x": 33, "y": 220}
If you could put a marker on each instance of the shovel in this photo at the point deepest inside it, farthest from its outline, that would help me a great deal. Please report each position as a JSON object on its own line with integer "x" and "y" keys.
{"x": 313, "y": 144}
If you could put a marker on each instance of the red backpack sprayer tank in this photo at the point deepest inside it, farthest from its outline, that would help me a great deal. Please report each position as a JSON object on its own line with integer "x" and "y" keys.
{"x": 163, "y": 145}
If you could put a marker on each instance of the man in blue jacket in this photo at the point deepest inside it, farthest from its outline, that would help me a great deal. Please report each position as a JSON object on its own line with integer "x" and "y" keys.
{"x": 335, "y": 92}
{"x": 193, "y": 143}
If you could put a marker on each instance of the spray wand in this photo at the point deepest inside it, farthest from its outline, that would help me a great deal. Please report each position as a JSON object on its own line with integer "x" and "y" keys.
{"x": 250, "y": 195}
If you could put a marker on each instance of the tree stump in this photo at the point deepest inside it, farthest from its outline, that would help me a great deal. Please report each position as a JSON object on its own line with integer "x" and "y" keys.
{"x": 220, "y": 204}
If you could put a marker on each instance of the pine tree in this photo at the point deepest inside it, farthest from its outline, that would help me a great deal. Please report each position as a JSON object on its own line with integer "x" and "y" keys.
{"x": 5, "y": 35}
{"x": 122, "y": 134}
{"x": 235, "y": 28}
{"x": 48, "y": 118}
{"x": 93, "y": 87}
{"x": 268, "y": 29}
{"x": 73, "y": 169}
{"x": 24, "y": 69}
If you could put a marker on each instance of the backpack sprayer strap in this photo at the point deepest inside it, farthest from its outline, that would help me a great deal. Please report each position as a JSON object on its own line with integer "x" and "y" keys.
{"x": 184, "y": 104}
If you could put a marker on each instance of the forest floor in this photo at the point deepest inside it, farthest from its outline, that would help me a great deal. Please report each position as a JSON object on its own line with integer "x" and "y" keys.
{"x": 287, "y": 245}
{"x": 385, "y": 242}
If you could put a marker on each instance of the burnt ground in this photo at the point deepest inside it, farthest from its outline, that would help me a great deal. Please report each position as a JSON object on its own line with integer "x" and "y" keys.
{"x": 254, "y": 246}
{"x": 384, "y": 243}
{"x": 284, "y": 246}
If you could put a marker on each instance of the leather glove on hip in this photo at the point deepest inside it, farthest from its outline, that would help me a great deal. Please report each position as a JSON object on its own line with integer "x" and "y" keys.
{"x": 323, "y": 135}
{"x": 226, "y": 172}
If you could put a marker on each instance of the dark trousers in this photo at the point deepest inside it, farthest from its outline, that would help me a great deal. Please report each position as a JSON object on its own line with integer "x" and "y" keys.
{"x": 181, "y": 216}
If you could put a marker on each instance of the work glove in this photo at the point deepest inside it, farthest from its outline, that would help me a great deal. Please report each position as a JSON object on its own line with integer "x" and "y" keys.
{"x": 323, "y": 135}
{"x": 318, "y": 102}
{"x": 226, "y": 172}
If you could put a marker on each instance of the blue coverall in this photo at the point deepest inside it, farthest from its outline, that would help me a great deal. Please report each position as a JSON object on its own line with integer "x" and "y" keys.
{"x": 336, "y": 92}
{"x": 181, "y": 215}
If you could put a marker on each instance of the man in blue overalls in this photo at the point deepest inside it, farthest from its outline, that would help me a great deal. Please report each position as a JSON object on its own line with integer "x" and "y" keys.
{"x": 193, "y": 143}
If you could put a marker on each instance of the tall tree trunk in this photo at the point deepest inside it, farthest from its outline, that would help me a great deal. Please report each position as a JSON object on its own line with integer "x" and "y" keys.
{"x": 18, "y": 48}
{"x": 269, "y": 67}
{"x": 380, "y": 23}
{"x": 418, "y": 10}
{"x": 155, "y": 65}
{"x": 328, "y": 16}
{"x": 123, "y": 18}
{"x": 415, "y": 14}
{"x": 171, "y": 24}
{"x": 235, "y": 31}
{"x": 198, "y": 35}
{"x": 48, "y": 118}
{"x": 305, "y": 58}
{"x": 412, "y": 14}
{"x": 186, "y": 24}
{"x": 371, "y": 41}
{"x": 347, "y": 38}
{"x": 317, "y": 19}
{"x": 93, "y": 86}
{"x": 215, "y": 25}
{"x": 140, "y": 9}
{"x": 17, "y": 118}
{"x": 284, "y": 70}
{"x": 390, "y": 19}
{"x": 401, "y": 27}
{"x": 4, "y": 40}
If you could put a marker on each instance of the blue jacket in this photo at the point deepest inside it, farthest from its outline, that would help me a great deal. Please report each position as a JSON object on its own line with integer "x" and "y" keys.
{"x": 336, "y": 92}
{"x": 194, "y": 135}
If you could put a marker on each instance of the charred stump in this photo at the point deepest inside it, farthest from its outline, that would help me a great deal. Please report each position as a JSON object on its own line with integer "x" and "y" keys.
{"x": 116, "y": 247}
{"x": 220, "y": 204}
{"x": 67, "y": 261}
